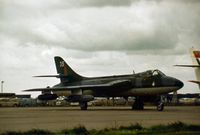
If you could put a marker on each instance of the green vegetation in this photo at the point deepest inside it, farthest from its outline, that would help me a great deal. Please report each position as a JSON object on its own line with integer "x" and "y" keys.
{"x": 177, "y": 128}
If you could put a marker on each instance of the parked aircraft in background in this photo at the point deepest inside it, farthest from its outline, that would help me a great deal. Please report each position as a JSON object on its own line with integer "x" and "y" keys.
{"x": 195, "y": 54}
{"x": 144, "y": 86}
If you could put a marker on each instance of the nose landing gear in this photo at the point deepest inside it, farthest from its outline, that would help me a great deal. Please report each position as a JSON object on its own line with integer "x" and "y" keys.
{"x": 160, "y": 106}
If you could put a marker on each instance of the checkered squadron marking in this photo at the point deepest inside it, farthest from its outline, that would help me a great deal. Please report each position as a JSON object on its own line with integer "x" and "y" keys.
{"x": 62, "y": 63}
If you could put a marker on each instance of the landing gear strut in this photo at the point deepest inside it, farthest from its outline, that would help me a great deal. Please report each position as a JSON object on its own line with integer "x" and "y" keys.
{"x": 160, "y": 104}
{"x": 83, "y": 105}
{"x": 138, "y": 104}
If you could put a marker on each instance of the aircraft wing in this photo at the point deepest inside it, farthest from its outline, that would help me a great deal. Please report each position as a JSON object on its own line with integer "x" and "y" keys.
{"x": 116, "y": 83}
{"x": 198, "y": 82}
{"x": 57, "y": 76}
{"x": 187, "y": 65}
{"x": 46, "y": 89}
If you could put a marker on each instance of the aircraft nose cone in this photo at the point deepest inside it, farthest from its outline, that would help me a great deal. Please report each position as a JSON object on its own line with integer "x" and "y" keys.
{"x": 179, "y": 83}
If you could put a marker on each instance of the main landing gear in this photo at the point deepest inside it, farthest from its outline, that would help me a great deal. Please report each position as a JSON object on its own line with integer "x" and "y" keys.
{"x": 83, "y": 105}
{"x": 138, "y": 104}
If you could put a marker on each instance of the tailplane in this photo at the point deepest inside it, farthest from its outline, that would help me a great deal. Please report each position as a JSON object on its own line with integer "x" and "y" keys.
{"x": 65, "y": 71}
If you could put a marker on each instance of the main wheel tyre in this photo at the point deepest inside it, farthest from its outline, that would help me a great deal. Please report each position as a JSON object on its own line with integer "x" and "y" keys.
{"x": 83, "y": 105}
{"x": 138, "y": 105}
{"x": 160, "y": 107}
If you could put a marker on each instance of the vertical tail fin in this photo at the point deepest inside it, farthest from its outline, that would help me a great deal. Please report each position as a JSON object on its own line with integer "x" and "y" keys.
{"x": 195, "y": 54}
{"x": 63, "y": 69}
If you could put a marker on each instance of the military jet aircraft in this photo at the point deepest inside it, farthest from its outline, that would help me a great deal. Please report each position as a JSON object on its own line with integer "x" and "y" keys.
{"x": 144, "y": 86}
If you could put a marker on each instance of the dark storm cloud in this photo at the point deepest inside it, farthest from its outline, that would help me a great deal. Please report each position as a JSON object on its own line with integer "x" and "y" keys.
{"x": 100, "y": 25}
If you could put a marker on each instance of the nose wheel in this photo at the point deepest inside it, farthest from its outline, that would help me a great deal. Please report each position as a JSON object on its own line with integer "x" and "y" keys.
{"x": 160, "y": 106}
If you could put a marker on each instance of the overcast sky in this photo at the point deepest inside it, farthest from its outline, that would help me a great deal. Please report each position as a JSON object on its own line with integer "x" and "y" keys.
{"x": 96, "y": 38}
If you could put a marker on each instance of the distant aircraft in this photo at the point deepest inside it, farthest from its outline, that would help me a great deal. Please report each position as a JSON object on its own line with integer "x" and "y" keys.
{"x": 144, "y": 86}
{"x": 195, "y": 54}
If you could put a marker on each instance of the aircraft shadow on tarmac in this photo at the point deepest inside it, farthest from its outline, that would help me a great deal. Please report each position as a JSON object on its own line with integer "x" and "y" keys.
{"x": 114, "y": 109}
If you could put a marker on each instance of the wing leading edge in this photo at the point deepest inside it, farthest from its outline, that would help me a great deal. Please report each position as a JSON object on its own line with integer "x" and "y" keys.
{"x": 193, "y": 81}
{"x": 116, "y": 83}
{"x": 187, "y": 65}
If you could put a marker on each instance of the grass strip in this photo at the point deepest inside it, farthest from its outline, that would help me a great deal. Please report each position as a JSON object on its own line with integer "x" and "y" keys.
{"x": 176, "y": 128}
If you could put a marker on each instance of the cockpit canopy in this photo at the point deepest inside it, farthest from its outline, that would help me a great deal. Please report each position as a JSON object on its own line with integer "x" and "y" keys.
{"x": 150, "y": 73}
{"x": 157, "y": 72}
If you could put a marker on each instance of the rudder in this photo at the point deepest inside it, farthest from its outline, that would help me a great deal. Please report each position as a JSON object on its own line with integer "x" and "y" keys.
{"x": 66, "y": 71}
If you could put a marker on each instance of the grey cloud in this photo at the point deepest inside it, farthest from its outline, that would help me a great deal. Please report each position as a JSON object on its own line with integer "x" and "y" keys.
{"x": 143, "y": 25}
{"x": 63, "y": 4}
{"x": 103, "y": 3}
